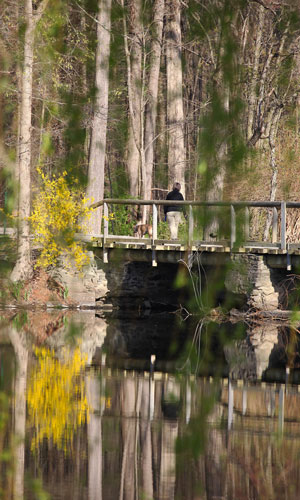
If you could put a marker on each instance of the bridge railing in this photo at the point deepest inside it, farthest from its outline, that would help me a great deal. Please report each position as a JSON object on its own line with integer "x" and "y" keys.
{"x": 275, "y": 206}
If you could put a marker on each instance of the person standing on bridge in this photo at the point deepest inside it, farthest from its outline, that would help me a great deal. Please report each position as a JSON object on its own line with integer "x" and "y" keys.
{"x": 173, "y": 213}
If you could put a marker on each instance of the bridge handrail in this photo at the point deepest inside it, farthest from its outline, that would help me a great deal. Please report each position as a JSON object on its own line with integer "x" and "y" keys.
{"x": 233, "y": 205}
{"x": 241, "y": 204}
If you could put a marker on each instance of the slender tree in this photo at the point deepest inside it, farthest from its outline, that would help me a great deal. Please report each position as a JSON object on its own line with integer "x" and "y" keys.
{"x": 95, "y": 189}
{"x": 23, "y": 267}
{"x": 134, "y": 54}
{"x": 176, "y": 145}
{"x": 152, "y": 95}
{"x": 255, "y": 70}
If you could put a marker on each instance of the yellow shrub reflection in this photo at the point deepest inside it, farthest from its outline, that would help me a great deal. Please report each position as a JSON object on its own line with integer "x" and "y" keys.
{"x": 56, "y": 398}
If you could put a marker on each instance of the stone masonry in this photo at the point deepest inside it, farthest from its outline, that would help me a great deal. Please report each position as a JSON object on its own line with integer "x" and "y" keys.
{"x": 249, "y": 275}
{"x": 124, "y": 282}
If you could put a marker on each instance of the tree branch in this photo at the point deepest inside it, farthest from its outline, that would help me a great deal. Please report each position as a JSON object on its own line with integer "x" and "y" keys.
{"x": 39, "y": 11}
{"x": 260, "y": 2}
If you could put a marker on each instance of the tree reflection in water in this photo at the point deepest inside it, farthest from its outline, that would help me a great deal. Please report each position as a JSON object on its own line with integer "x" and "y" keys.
{"x": 150, "y": 437}
{"x": 18, "y": 341}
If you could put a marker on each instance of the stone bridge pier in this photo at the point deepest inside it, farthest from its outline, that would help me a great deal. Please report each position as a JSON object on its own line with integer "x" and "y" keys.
{"x": 251, "y": 276}
{"x": 123, "y": 282}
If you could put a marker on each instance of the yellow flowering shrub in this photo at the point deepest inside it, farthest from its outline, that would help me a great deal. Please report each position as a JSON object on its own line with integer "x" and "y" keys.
{"x": 58, "y": 214}
{"x": 109, "y": 217}
{"x": 56, "y": 398}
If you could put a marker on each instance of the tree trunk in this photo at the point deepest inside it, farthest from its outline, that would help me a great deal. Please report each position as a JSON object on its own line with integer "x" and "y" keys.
{"x": 151, "y": 109}
{"x": 216, "y": 178}
{"x": 23, "y": 269}
{"x": 297, "y": 63}
{"x": 274, "y": 167}
{"x": 176, "y": 146}
{"x": 134, "y": 81}
{"x": 95, "y": 189}
{"x": 254, "y": 76}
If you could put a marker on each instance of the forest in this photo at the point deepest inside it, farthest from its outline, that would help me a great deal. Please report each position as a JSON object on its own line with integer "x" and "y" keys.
{"x": 120, "y": 98}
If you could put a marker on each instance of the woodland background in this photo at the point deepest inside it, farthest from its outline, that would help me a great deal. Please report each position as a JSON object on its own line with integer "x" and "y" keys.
{"x": 123, "y": 97}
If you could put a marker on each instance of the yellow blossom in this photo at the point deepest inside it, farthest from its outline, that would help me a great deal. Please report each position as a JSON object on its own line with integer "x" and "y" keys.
{"x": 58, "y": 214}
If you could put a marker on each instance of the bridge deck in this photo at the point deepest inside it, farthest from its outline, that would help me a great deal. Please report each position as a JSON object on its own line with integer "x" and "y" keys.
{"x": 212, "y": 253}
{"x": 129, "y": 242}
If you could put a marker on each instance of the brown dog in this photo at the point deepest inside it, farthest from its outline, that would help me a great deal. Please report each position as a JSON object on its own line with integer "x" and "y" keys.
{"x": 141, "y": 229}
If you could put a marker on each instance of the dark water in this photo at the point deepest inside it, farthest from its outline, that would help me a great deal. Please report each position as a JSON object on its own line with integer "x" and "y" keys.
{"x": 85, "y": 416}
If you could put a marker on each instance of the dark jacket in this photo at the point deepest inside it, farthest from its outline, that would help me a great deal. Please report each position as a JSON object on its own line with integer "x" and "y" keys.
{"x": 173, "y": 195}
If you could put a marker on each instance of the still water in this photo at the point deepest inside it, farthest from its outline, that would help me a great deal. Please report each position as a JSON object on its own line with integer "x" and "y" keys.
{"x": 86, "y": 415}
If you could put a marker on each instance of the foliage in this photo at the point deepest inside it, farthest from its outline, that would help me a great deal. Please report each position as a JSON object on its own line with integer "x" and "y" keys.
{"x": 192, "y": 442}
{"x": 16, "y": 288}
{"x": 163, "y": 231}
{"x": 36, "y": 489}
{"x": 20, "y": 320}
{"x": 57, "y": 403}
{"x": 122, "y": 222}
{"x": 59, "y": 212}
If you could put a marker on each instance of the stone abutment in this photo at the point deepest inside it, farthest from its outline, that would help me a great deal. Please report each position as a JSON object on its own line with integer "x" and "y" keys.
{"x": 126, "y": 283}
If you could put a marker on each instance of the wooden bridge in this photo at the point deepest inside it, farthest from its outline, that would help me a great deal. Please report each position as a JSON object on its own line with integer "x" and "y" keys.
{"x": 234, "y": 221}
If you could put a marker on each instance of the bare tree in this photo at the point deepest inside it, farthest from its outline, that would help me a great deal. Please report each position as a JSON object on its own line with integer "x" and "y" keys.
{"x": 95, "y": 189}
{"x": 216, "y": 164}
{"x": 175, "y": 117}
{"x": 255, "y": 71}
{"x": 23, "y": 266}
{"x": 134, "y": 54}
{"x": 151, "y": 107}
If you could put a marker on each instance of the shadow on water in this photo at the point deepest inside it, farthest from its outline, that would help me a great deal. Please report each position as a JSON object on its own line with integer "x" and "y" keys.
{"x": 85, "y": 415}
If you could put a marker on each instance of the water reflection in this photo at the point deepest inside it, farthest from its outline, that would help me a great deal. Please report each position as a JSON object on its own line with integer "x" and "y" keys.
{"x": 95, "y": 389}
{"x": 56, "y": 399}
{"x": 18, "y": 341}
{"x": 94, "y": 430}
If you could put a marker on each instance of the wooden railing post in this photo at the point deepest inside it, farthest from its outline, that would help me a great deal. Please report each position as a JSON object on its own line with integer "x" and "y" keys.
{"x": 105, "y": 232}
{"x": 275, "y": 225}
{"x": 232, "y": 226}
{"x": 230, "y": 405}
{"x": 247, "y": 223}
{"x": 191, "y": 226}
{"x": 154, "y": 234}
{"x": 281, "y": 399}
{"x": 244, "y": 401}
{"x": 283, "y": 225}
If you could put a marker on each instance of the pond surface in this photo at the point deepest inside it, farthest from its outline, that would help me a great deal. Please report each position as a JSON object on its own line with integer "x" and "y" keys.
{"x": 85, "y": 414}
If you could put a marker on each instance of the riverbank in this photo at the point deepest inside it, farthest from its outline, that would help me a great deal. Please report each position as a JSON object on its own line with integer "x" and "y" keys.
{"x": 41, "y": 291}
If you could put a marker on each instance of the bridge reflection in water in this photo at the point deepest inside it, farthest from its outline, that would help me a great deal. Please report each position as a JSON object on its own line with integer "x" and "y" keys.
{"x": 131, "y": 434}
